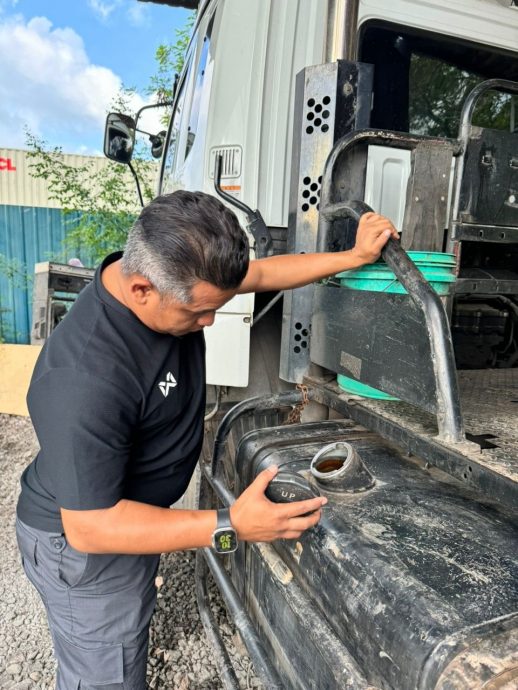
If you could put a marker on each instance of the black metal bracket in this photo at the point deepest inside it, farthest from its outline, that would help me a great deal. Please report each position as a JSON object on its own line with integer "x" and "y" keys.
{"x": 486, "y": 163}
{"x": 472, "y": 99}
{"x": 256, "y": 225}
{"x": 449, "y": 417}
{"x": 137, "y": 182}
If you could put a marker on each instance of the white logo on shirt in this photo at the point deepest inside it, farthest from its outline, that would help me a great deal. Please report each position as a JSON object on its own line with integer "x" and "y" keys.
{"x": 170, "y": 382}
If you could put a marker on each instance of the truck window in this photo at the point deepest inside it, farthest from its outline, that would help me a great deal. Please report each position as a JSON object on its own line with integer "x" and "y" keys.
{"x": 437, "y": 91}
{"x": 198, "y": 90}
{"x": 421, "y": 82}
{"x": 176, "y": 119}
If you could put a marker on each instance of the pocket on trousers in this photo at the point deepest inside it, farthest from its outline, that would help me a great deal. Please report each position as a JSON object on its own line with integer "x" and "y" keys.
{"x": 27, "y": 543}
{"x": 72, "y": 566}
{"x": 102, "y": 665}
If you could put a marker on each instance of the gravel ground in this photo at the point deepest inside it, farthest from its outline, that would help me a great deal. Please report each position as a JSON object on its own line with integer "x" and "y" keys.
{"x": 180, "y": 657}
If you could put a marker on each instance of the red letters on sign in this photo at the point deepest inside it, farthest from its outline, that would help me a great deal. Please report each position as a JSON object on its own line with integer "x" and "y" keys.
{"x": 7, "y": 164}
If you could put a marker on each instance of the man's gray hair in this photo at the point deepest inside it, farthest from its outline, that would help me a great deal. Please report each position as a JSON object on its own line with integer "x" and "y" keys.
{"x": 182, "y": 238}
{"x": 141, "y": 258}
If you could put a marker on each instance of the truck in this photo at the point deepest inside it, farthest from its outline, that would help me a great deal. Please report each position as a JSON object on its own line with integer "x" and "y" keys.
{"x": 393, "y": 391}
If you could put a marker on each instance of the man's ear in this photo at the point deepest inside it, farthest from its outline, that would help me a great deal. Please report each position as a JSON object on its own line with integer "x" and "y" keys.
{"x": 140, "y": 289}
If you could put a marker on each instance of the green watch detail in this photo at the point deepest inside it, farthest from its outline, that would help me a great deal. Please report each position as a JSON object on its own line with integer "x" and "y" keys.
{"x": 224, "y": 538}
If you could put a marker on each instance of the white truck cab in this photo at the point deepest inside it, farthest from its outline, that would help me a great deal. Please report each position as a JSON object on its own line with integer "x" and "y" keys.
{"x": 312, "y": 112}
{"x": 236, "y": 98}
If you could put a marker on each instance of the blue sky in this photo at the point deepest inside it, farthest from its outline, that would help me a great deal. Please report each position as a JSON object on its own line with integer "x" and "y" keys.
{"x": 63, "y": 61}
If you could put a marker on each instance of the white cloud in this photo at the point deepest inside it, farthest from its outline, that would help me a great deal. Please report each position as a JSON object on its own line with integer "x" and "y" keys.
{"x": 103, "y": 10}
{"x": 7, "y": 5}
{"x": 48, "y": 83}
{"x": 138, "y": 15}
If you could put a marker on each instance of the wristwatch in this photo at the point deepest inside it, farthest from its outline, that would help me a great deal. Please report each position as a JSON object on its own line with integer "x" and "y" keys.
{"x": 224, "y": 537}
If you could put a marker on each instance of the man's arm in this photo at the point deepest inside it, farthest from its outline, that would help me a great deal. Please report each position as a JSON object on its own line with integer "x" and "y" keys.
{"x": 294, "y": 270}
{"x": 132, "y": 527}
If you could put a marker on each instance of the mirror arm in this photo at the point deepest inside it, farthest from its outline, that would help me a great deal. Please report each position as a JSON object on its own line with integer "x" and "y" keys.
{"x": 153, "y": 138}
{"x": 137, "y": 183}
{"x": 152, "y": 105}
{"x": 141, "y": 131}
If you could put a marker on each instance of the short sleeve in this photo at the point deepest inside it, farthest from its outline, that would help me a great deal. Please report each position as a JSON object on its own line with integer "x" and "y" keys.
{"x": 84, "y": 425}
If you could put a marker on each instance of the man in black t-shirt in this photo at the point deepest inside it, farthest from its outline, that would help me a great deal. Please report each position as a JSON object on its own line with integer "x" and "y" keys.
{"x": 117, "y": 400}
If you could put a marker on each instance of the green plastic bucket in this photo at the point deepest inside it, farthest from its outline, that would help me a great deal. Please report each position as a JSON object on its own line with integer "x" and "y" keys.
{"x": 358, "y": 388}
{"x": 436, "y": 267}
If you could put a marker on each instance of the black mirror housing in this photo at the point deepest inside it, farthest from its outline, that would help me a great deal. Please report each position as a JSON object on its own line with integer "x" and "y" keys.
{"x": 157, "y": 143}
{"x": 119, "y": 137}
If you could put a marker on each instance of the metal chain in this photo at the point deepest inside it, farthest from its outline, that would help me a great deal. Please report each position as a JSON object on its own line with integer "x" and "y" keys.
{"x": 294, "y": 415}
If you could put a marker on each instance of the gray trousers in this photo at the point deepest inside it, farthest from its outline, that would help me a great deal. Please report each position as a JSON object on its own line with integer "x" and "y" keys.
{"x": 99, "y": 607}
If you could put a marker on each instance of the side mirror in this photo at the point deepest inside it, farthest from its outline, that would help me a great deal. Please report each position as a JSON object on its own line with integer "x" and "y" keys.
{"x": 157, "y": 143}
{"x": 119, "y": 137}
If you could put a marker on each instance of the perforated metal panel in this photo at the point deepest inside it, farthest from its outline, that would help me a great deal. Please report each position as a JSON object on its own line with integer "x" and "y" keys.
{"x": 331, "y": 100}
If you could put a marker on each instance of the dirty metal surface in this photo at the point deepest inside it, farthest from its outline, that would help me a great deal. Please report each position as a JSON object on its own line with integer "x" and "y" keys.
{"x": 490, "y": 407}
{"x": 344, "y": 90}
{"x": 407, "y": 575}
{"x": 490, "y": 410}
{"x": 489, "y": 401}
{"x": 480, "y": 668}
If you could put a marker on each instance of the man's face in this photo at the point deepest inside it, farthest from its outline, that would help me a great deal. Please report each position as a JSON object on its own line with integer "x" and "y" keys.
{"x": 178, "y": 318}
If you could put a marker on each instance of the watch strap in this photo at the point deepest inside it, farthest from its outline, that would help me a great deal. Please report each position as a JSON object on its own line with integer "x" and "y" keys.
{"x": 223, "y": 519}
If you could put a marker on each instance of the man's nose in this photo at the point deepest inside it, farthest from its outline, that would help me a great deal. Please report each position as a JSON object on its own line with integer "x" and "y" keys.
{"x": 207, "y": 319}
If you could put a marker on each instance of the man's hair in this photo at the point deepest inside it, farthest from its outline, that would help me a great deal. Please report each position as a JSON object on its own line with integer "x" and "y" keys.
{"x": 182, "y": 238}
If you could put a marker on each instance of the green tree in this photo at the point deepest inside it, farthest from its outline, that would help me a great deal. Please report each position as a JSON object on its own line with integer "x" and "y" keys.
{"x": 99, "y": 206}
{"x": 15, "y": 273}
{"x": 437, "y": 93}
{"x": 170, "y": 58}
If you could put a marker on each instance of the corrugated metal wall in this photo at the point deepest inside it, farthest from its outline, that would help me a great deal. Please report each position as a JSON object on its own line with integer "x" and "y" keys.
{"x": 19, "y": 188}
{"x": 32, "y": 229}
{"x": 28, "y": 235}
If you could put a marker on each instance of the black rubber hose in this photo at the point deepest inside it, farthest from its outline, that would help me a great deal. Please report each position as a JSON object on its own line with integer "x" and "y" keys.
{"x": 268, "y": 402}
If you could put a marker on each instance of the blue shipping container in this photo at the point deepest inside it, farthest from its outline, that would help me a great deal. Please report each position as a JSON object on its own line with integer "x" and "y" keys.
{"x": 28, "y": 235}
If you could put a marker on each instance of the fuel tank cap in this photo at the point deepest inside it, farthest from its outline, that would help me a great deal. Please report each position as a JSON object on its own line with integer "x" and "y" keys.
{"x": 287, "y": 487}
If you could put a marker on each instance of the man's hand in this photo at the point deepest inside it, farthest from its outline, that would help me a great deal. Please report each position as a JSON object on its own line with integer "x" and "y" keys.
{"x": 372, "y": 235}
{"x": 289, "y": 271}
{"x": 255, "y": 518}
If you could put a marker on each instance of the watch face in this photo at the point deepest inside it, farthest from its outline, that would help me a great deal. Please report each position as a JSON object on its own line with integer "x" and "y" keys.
{"x": 225, "y": 541}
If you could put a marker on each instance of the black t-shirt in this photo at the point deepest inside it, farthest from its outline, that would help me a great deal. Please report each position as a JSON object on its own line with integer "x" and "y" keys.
{"x": 117, "y": 409}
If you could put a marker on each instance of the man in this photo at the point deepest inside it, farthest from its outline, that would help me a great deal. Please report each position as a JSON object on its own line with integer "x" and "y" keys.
{"x": 116, "y": 451}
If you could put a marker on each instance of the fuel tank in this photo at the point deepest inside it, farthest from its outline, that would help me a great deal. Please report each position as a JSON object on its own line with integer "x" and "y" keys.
{"x": 408, "y": 582}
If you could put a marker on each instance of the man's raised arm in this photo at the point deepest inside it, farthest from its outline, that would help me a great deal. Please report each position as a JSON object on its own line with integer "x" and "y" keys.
{"x": 294, "y": 270}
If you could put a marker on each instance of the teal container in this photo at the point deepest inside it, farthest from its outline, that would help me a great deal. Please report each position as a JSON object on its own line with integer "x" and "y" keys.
{"x": 436, "y": 267}
{"x": 358, "y": 388}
